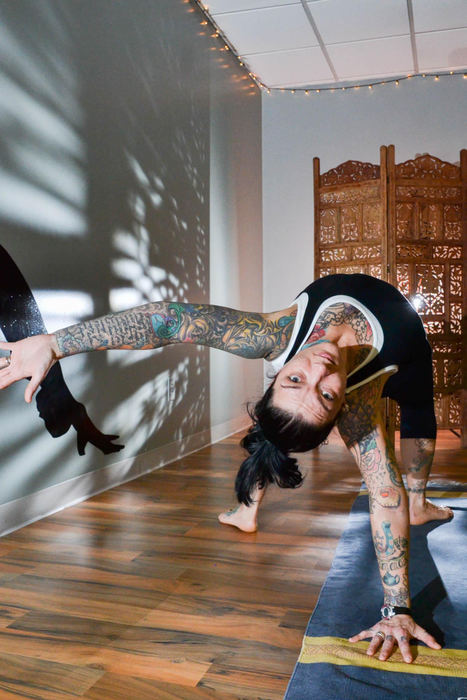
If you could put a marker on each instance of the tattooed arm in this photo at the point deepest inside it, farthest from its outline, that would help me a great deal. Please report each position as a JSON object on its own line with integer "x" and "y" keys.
{"x": 363, "y": 432}
{"x": 154, "y": 325}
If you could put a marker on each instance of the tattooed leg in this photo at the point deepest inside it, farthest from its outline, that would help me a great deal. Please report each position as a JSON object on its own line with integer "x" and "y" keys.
{"x": 244, "y": 517}
{"x": 417, "y": 457}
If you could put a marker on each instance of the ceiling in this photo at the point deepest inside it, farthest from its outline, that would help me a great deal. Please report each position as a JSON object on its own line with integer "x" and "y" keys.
{"x": 313, "y": 43}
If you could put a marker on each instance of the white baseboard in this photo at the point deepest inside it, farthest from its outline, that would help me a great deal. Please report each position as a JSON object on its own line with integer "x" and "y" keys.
{"x": 35, "y": 506}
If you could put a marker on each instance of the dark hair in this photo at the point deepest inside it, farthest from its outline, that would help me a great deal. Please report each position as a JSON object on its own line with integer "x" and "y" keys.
{"x": 273, "y": 435}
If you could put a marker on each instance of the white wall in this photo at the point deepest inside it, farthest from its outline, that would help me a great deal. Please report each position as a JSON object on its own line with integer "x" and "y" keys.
{"x": 418, "y": 116}
{"x": 111, "y": 120}
{"x": 235, "y": 261}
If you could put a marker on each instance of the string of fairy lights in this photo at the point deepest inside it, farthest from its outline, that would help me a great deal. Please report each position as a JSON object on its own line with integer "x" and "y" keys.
{"x": 224, "y": 44}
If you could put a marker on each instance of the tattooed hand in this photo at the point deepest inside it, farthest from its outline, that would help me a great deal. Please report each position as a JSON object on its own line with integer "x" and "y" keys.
{"x": 388, "y": 634}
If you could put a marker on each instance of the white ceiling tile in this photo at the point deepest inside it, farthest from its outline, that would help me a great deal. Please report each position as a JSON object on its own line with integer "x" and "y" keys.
{"x": 340, "y": 21}
{"x": 431, "y": 15}
{"x": 378, "y": 57}
{"x": 216, "y": 6}
{"x": 272, "y": 29}
{"x": 291, "y": 68}
{"x": 442, "y": 50}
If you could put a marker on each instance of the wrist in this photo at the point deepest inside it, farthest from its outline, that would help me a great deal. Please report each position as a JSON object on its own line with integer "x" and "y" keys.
{"x": 55, "y": 347}
{"x": 388, "y": 611}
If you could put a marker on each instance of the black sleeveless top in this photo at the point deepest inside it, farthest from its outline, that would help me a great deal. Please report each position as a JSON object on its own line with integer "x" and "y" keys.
{"x": 399, "y": 339}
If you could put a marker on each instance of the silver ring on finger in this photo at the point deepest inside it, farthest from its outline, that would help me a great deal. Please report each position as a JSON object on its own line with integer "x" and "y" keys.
{"x": 7, "y": 361}
{"x": 381, "y": 635}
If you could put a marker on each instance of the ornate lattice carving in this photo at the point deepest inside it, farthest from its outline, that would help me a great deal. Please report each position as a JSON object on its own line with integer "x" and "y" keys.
{"x": 405, "y": 216}
{"x": 411, "y": 251}
{"x": 375, "y": 271}
{"x": 455, "y": 318}
{"x": 433, "y": 327}
{"x": 424, "y": 249}
{"x": 427, "y": 166}
{"x": 350, "y": 219}
{"x": 454, "y": 409}
{"x": 372, "y": 217}
{"x": 439, "y": 412}
{"x": 453, "y": 222}
{"x": 365, "y": 252}
{"x": 429, "y": 283}
{"x": 455, "y": 280}
{"x": 408, "y": 192}
{"x": 445, "y": 252}
{"x": 431, "y": 221}
{"x": 352, "y": 269}
{"x": 403, "y": 279}
{"x": 351, "y": 195}
{"x": 333, "y": 254}
{"x": 452, "y": 373}
{"x": 328, "y": 226}
{"x": 446, "y": 347}
{"x": 350, "y": 171}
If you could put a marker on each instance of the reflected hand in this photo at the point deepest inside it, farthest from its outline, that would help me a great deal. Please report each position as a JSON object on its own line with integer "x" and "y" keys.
{"x": 387, "y": 634}
{"x": 31, "y": 358}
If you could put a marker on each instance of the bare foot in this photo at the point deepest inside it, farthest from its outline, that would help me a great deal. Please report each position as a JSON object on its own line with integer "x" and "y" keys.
{"x": 240, "y": 517}
{"x": 424, "y": 512}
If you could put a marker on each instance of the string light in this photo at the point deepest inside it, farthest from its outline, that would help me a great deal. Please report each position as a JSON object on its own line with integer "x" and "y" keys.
{"x": 218, "y": 33}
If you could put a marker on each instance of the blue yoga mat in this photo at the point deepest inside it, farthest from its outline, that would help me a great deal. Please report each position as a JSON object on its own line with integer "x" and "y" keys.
{"x": 331, "y": 668}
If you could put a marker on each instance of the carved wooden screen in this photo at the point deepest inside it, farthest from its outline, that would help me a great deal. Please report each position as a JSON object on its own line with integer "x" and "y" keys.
{"x": 404, "y": 223}
{"x": 426, "y": 261}
{"x": 351, "y": 218}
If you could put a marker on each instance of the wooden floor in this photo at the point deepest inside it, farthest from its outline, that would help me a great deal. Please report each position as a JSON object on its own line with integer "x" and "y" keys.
{"x": 140, "y": 593}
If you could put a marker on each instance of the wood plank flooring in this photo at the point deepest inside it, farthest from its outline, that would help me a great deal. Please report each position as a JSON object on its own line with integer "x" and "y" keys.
{"x": 139, "y": 593}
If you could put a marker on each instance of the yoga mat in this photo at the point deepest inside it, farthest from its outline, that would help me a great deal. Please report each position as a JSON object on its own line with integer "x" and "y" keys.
{"x": 331, "y": 668}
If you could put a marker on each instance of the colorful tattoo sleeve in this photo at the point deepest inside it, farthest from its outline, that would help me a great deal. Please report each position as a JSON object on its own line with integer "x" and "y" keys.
{"x": 249, "y": 334}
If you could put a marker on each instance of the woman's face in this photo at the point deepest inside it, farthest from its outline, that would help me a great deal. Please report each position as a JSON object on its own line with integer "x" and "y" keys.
{"x": 312, "y": 384}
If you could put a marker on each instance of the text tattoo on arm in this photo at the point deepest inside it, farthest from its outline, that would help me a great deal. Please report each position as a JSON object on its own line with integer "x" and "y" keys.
{"x": 392, "y": 554}
{"x": 154, "y": 325}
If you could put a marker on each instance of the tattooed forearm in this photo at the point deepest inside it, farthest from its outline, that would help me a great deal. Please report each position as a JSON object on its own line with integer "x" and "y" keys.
{"x": 392, "y": 555}
{"x": 154, "y": 325}
{"x": 362, "y": 429}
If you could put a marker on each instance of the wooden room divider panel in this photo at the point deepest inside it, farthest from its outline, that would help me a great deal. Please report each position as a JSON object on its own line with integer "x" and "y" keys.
{"x": 405, "y": 223}
{"x": 351, "y": 218}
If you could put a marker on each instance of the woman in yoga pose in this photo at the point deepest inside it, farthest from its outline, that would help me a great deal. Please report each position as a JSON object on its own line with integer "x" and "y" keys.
{"x": 346, "y": 341}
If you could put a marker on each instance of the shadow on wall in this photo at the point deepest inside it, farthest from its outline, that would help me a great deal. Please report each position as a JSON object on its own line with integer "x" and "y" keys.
{"x": 104, "y": 183}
